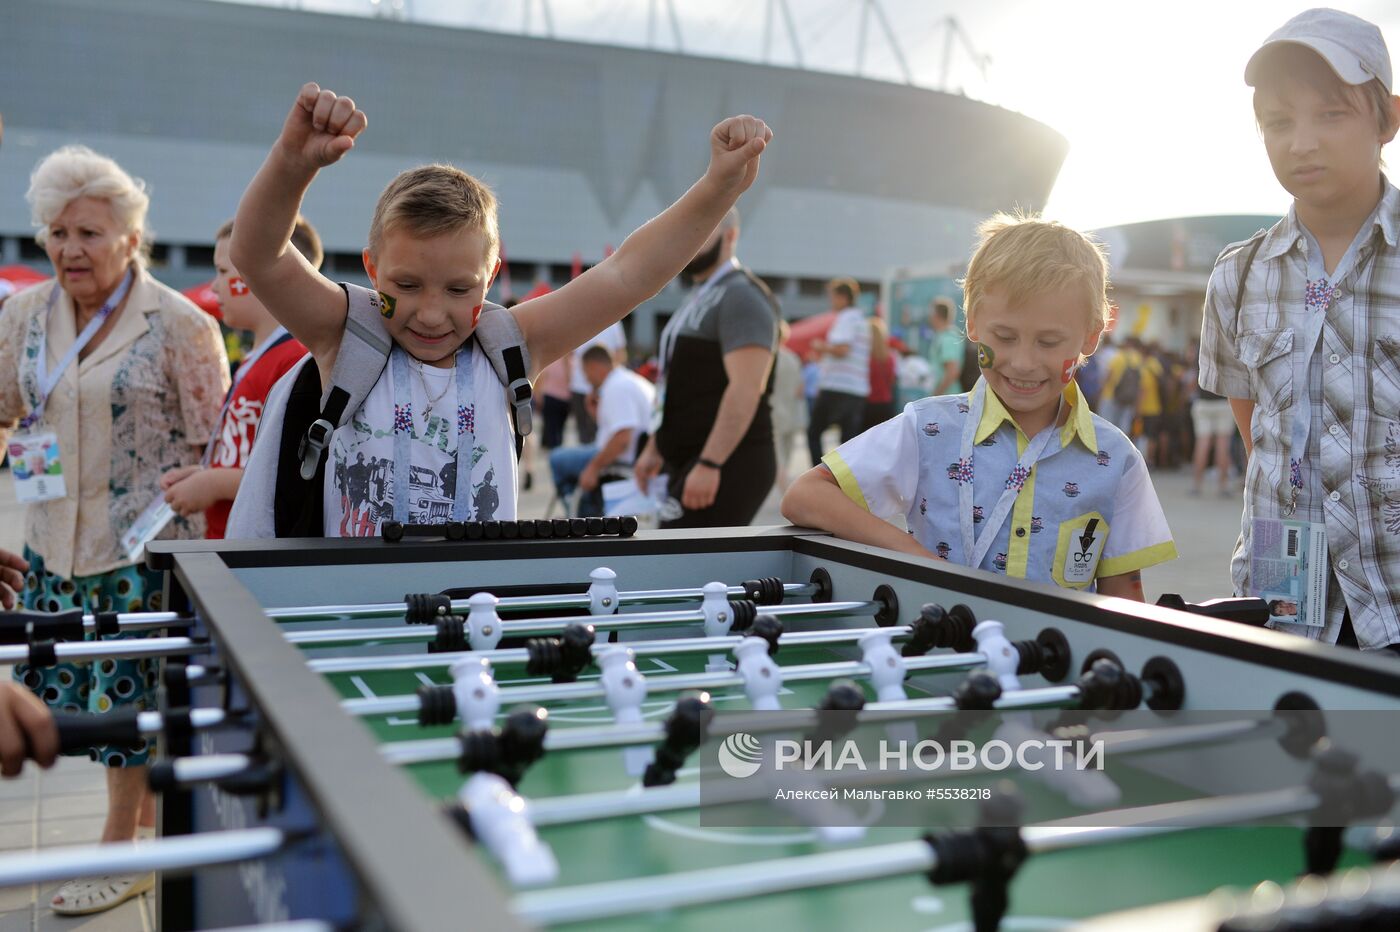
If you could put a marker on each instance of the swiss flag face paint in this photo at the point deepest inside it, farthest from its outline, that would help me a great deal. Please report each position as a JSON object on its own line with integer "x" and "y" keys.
{"x": 1068, "y": 369}
{"x": 476, "y": 314}
{"x": 237, "y": 286}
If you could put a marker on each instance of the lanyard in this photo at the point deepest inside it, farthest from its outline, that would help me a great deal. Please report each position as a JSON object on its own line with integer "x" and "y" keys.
{"x": 403, "y": 434}
{"x": 276, "y": 338}
{"x": 976, "y": 551}
{"x": 687, "y": 310}
{"x": 1321, "y": 289}
{"x": 49, "y": 380}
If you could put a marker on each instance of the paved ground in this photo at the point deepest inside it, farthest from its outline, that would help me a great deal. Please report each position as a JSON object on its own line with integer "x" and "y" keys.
{"x": 65, "y": 805}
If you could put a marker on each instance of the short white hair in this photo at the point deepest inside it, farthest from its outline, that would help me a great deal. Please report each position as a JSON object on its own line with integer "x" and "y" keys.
{"x": 71, "y": 172}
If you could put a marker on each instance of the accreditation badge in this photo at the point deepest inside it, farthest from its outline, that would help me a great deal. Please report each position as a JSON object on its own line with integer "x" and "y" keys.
{"x": 37, "y": 467}
{"x": 147, "y": 525}
{"x": 1288, "y": 567}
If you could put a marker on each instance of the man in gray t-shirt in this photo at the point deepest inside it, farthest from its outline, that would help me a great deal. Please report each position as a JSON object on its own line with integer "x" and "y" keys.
{"x": 715, "y": 438}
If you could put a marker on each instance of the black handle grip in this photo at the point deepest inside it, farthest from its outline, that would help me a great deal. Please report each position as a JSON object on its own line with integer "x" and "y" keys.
{"x": 61, "y": 626}
{"x": 78, "y": 731}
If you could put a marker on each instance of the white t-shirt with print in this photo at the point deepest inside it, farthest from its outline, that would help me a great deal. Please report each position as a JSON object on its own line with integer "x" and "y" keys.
{"x": 849, "y": 373}
{"x": 359, "y": 487}
{"x": 613, "y": 339}
{"x": 625, "y": 400}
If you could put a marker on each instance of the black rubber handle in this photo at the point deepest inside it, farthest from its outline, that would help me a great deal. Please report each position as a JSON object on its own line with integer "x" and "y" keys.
{"x": 78, "y": 731}
{"x": 61, "y": 626}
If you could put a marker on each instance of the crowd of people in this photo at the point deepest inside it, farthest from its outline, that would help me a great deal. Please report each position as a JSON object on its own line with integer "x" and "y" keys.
{"x": 976, "y": 443}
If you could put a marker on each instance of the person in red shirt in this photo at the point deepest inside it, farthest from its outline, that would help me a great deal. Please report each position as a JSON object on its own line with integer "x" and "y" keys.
{"x": 211, "y": 486}
{"x": 879, "y": 404}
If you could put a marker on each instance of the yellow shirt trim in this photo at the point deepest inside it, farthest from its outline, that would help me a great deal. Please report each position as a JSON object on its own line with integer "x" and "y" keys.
{"x": 1138, "y": 559}
{"x": 845, "y": 478}
{"x": 1079, "y": 424}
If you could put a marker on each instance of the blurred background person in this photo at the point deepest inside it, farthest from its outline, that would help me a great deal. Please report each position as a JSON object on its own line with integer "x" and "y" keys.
{"x": 789, "y": 404}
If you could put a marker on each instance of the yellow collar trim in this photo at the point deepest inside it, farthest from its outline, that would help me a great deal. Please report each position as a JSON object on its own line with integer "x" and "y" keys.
{"x": 1080, "y": 423}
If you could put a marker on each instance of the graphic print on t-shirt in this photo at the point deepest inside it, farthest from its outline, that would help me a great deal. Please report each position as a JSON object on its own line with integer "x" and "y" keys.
{"x": 365, "y": 483}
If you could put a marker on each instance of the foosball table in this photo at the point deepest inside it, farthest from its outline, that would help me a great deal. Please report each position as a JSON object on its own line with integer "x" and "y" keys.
{"x": 498, "y": 727}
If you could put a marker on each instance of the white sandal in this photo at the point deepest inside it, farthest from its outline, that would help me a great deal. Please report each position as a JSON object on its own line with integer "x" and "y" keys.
{"x": 80, "y": 897}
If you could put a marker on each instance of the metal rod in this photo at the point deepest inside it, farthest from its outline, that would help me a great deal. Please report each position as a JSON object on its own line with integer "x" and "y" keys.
{"x": 672, "y": 682}
{"x": 79, "y": 651}
{"x": 163, "y": 854}
{"x": 725, "y": 884}
{"x": 142, "y": 621}
{"x": 518, "y": 655}
{"x": 637, "y": 800}
{"x": 510, "y": 605}
{"x": 539, "y": 626}
{"x": 428, "y": 750}
{"x": 153, "y": 723}
{"x": 201, "y": 768}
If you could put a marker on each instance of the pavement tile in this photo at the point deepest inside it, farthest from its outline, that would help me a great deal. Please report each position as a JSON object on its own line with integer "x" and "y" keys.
{"x": 16, "y": 811}
{"x": 16, "y": 836}
{"x": 72, "y": 806}
{"x": 17, "y": 920}
{"x": 80, "y": 831}
{"x": 16, "y": 898}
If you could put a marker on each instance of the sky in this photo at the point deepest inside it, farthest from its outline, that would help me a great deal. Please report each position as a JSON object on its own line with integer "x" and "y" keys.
{"x": 1150, "y": 95}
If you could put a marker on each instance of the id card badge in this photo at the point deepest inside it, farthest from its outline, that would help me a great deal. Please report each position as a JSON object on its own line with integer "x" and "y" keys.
{"x": 147, "y": 525}
{"x": 37, "y": 467}
{"x": 1288, "y": 567}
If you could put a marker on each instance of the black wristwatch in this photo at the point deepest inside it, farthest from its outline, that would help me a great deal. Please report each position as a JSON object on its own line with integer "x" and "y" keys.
{"x": 710, "y": 463}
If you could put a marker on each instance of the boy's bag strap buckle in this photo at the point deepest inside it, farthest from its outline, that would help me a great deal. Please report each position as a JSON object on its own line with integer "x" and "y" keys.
{"x": 313, "y": 444}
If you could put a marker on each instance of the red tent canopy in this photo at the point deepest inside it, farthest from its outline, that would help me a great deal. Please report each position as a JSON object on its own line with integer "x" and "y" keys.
{"x": 804, "y": 331}
{"x": 203, "y": 296}
{"x": 18, "y": 277}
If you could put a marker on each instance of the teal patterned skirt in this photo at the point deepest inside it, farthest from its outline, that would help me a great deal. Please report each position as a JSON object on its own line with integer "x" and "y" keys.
{"x": 102, "y": 685}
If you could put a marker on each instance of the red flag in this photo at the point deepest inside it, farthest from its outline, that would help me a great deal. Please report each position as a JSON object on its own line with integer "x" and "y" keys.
{"x": 576, "y": 268}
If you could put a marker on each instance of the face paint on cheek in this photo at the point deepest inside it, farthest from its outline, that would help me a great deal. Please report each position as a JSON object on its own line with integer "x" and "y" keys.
{"x": 387, "y": 303}
{"x": 237, "y": 286}
{"x": 476, "y": 313}
{"x": 985, "y": 356}
{"x": 1068, "y": 369}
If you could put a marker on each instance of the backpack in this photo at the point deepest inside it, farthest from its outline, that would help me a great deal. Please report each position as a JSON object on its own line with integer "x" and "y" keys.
{"x": 1129, "y": 385}
{"x": 282, "y": 490}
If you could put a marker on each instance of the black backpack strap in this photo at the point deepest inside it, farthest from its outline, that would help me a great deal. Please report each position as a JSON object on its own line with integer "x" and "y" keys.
{"x": 298, "y": 501}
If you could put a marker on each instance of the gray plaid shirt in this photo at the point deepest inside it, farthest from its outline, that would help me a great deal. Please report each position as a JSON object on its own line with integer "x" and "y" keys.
{"x": 1351, "y": 474}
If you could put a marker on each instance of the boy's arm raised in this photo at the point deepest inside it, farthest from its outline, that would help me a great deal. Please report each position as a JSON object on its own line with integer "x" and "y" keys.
{"x": 654, "y": 254}
{"x": 320, "y": 128}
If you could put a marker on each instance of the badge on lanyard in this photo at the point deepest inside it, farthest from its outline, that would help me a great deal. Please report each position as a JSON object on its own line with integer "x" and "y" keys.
{"x": 1288, "y": 566}
{"x": 1085, "y": 547}
{"x": 147, "y": 525}
{"x": 36, "y": 467}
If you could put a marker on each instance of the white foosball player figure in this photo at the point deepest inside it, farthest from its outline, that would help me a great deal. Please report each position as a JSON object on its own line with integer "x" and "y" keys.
{"x": 719, "y": 618}
{"x": 763, "y": 678}
{"x": 602, "y": 597}
{"x": 887, "y": 667}
{"x": 475, "y": 691}
{"x": 1085, "y": 788}
{"x": 483, "y": 624}
{"x": 625, "y": 690}
{"x": 500, "y": 819}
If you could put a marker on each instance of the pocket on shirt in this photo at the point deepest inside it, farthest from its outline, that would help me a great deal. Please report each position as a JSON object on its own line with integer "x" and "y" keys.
{"x": 1269, "y": 356}
{"x": 1070, "y": 551}
{"x": 1385, "y": 378}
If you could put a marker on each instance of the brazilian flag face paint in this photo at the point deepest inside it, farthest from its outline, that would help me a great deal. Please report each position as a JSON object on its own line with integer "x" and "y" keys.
{"x": 387, "y": 303}
{"x": 985, "y": 356}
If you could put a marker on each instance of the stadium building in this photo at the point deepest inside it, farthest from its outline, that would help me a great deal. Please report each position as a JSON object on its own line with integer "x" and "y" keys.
{"x": 581, "y": 142}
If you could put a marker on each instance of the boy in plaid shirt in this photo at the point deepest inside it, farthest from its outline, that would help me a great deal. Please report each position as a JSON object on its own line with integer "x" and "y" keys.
{"x": 1301, "y": 333}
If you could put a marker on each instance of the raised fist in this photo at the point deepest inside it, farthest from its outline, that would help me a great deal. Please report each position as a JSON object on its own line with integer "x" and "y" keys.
{"x": 321, "y": 127}
{"x": 735, "y": 145}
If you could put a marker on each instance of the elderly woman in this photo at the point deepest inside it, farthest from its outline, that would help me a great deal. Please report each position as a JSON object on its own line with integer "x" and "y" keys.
{"x": 120, "y": 379}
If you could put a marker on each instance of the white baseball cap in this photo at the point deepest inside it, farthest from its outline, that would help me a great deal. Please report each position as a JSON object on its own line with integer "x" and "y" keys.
{"x": 1353, "y": 47}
